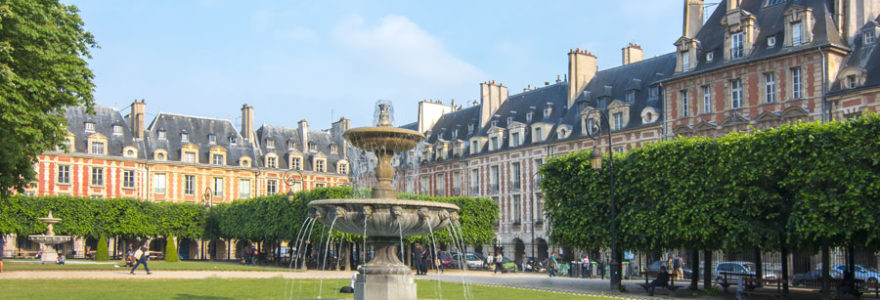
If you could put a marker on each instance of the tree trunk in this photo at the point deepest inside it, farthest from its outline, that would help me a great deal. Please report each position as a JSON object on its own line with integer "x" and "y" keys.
{"x": 759, "y": 268}
{"x": 707, "y": 267}
{"x": 695, "y": 275}
{"x": 784, "y": 270}
{"x": 826, "y": 270}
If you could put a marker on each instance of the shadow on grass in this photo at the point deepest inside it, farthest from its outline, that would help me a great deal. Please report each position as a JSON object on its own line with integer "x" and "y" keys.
{"x": 197, "y": 297}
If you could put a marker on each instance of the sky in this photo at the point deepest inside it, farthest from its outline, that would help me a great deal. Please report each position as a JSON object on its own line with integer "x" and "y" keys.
{"x": 322, "y": 60}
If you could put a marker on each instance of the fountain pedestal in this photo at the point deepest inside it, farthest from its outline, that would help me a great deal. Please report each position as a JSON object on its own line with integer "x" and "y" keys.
{"x": 49, "y": 240}
{"x": 385, "y": 276}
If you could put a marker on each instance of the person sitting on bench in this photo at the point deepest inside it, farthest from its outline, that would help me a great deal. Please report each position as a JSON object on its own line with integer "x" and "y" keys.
{"x": 661, "y": 281}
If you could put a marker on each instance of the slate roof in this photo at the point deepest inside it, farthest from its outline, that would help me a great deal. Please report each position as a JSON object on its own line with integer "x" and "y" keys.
{"x": 606, "y": 85}
{"x": 198, "y": 130}
{"x": 104, "y": 119}
{"x": 864, "y": 57}
{"x": 771, "y": 22}
{"x": 283, "y": 135}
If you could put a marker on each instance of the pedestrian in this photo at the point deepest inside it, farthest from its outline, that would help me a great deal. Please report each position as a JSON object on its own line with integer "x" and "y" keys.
{"x": 60, "y": 260}
{"x": 552, "y": 265}
{"x": 490, "y": 261}
{"x": 439, "y": 263}
{"x": 129, "y": 255}
{"x": 141, "y": 255}
{"x": 417, "y": 258}
{"x": 2, "y": 250}
{"x": 678, "y": 267}
{"x": 523, "y": 263}
{"x": 585, "y": 267}
{"x": 255, "y": 255}
{"x": 662, "y": 280}
{"x": 669, "y": 266}
{"x": 499, "y": 263}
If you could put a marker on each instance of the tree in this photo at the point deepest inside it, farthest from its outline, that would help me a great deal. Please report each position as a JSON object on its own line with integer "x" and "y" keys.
{"x": 43, "y": 47}
{"x": 171, "y": 250}
{"x": 102, "y": 254}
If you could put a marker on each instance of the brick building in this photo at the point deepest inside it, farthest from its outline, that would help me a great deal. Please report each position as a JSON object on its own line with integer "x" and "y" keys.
{"x": 179, "y": 158}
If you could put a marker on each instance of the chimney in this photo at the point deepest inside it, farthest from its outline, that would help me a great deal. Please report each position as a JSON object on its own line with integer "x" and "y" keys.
{"x": 693, "y": 17}
{"x": 581, "y": 69}
{"x": 731, "y": 4}
{"x": 247, "y": 122}
{"x": 303, "y": 130}
{"x": 491, "y": 97}
{"x": 336, "y": 131}
{"x": 632, "y": 54}
{"x": 136, "y": 118}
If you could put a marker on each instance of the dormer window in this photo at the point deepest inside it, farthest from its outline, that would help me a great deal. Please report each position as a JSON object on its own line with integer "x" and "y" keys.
{"x": 710, "y": 56}
{"x": 90, "y": 127}
{"x": 494, "y": 123}
{"x": 631, "y": 96}
{"x": 97, "y": 148}
{"x": 618, "y": 121}
{"x": 771, "y": 42}
{"x": 218, "y": 159}
{"x": 245, "y": 162}
{"x": 851, "y": 81}
{"x": 271, "y": 162}
{"x": 529, "y": 117}
{"x": 548, "y": 110}
{"x": 736, "y": 48}
{"x": 797, "y": 31}
{"x": 320, "y": 165}
{"x": 470, "y": 129}
{"x": 117, "y": 130}
{"x": 342, "y": 168}
{"x": 685, "y": 61}
{"x": 270, "y": 143}
{"x": 212, "y": 139}
{"x": 232, "y": 140}
{"x": 334, "y": 150}
{"x": 509, "y": 120}
{"x": 654, "y": 92}
{"x": 161, "y": 134}
{"x": 313, "y": 147}
{"x": 454, "y": 134}
{"x": 296, "y": 163}
{"x": 184, "y": 137}
{"x": 869, "y": 37}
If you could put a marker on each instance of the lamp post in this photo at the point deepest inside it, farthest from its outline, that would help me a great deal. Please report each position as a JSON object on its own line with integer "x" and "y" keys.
{"x": 289, "y": 181}
{"x": 208, "y": 201}
{"x": 596, "y": 163}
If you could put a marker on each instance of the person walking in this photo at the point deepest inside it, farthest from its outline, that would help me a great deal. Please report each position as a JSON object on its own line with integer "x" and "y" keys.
{"x": 490, "y": 261}
{"x": 141, "y": 255}
{"x": 678, "y": 267}
{"x": 417, "y": 258}
{"x": 523, "y": 263}
{"x": 499, "y": 263}
{"x": 585, "y": 267}
{"x": 551, "y": 269}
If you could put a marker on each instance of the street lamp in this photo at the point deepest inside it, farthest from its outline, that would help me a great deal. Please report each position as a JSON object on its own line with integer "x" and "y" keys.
{"x": 208, "y": 201}
{"x": 594, "y": 132}
{"x": 289, "y": 181}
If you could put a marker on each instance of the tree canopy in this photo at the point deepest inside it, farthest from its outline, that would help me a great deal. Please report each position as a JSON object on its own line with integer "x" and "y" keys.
{"x": 43, "y": 47}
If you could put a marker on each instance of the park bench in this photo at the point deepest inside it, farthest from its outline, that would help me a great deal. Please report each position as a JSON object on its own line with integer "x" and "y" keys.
{"x": 670, "y": 287}
{"x": 875, "y": 286}
{"x": 26, "y": 253}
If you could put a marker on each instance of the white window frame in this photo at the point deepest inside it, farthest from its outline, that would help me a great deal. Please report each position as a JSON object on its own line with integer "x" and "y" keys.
{"x": 128, "y": 179}
{"x": 271, "y": 162}
{"x": 320, "y": 165}
{"x": 63, "y": 174}
{"x": 97, "y": 176}
{"x": 271, "y": 187}
{"x": 797, "y": 34}
{"x": 685, "y": 61}
{"x": 685, "y": 104}
{"x": 189, "y": 184}
{"x": 159, "y": 183}
{"x": 736, "y": 45}
{"x": 618, "y": 120}
{"x": 244, "y": 188}
{"x": 707, "y": 99}
{"x": 218, "y": 186}
{"x": 516, "y": 176}
{"x": 98, "y": 147}
{"x": 770, "y": 87}
{"x": 189, "y": 156}
{"x": 796, "y": 83}
{"x": 218, "y": 159}
{"x": 736, "y": 93}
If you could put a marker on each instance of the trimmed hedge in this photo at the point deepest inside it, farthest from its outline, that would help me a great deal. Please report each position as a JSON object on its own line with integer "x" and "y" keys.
{"x": 171, "y": 250}
{"x": 102, "y": 253}
{"x": 797, "y": 185}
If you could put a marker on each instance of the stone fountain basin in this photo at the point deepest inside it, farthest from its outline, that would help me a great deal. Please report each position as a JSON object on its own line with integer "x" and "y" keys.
{"x": 384, "y": 215}
{"x": 383, "y": 139}
{"x": 49, "y": 239}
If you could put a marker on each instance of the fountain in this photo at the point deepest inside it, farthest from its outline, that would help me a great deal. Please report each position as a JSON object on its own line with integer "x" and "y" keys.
{"x": 49, "y": 240}
{"x": 384, "y": 219}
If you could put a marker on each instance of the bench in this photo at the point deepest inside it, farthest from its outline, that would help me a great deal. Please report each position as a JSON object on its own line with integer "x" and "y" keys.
{"x": 26, "y": 253}
{"x": 774, "y": 295}
{"x": 875, "y": 286}
{"x": 671, "y": 288}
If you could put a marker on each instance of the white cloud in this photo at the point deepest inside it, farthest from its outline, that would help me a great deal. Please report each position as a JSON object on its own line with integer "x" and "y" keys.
{"x": 398, "y": 45}
{"x": 301, "y": 34}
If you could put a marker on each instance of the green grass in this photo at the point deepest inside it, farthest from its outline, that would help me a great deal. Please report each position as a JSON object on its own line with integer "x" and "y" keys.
{"x": 154, "y": 265}
{"x": 274, "y": 288}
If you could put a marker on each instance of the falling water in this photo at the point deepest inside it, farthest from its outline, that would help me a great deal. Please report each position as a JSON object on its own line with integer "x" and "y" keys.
{"x": 326, "y": 251}
{"x": 400, "y": 231}
{"x": 292, "y": 259}
{"x": 458, "y": 241}
{"x": 435, "y": 255}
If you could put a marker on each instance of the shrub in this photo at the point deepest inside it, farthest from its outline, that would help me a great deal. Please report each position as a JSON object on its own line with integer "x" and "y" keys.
{"x": 171, "y": 250}
{"x": 103, "y": 253}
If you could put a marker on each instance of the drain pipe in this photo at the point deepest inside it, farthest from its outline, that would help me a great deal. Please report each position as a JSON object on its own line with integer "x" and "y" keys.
{"x": 665, "y": 114}
{"x": 825, "y": 108}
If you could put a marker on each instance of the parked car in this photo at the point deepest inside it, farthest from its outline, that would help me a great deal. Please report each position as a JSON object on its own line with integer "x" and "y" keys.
{"x": 654, "y": 269}
{"x": 862, "y": 273}
{"x": 813, "y": 278}
{"x": 733, "y": 270}
{"x": 474, "y": 261}
{"x": 446, "y": 259}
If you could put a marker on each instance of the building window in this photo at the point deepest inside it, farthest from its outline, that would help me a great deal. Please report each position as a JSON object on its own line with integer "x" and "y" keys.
{"x": 184, "y": 138}
{"x": 189, "y": 184}
{"x": 244, "y": 188}
{"x": 539, "y": 210}
{"x": 424, "y": 185}
{"x": 619, "y": 149}
{"x": 529, "y": 117}
{"x": 710, "y": 56}
{"x": 63, "y": 174}
{"x": 796, "y": 83}
{"x": 630, "y": 97}
{"x": 516, "y": 181}
{"x": 271, "y": 187}
{"x": 475, "y": 182}
{"x": 313, "y": 147}
{"x": 343, "y": 168}
{"x": 97, "y": 147}
{"x": 685, "y": 104}
{"x": 161, "y": 134}
{"x": 320, "y": 165}
{"x": 685, "y": 61}
{"x": 654, "y": 92}
{"x": 320, "y": 185}
{"x": 189, "y": 157}
{"x": 296, "y": 163}
{"x": 770, "y": 87}
{"x": 456, "y": 183}
{"x": 271, "y": 162}
{"x": 517, "y": 209}
{"x": 218, "y": 187}
{"x": 128, "y": 179}
{"x": 495, "y": 145}
{"x": 538, "y": 163}
{"x": 159, "y": 183}
{"x": 539, "y": 136}
{"x": 270, "y": 144}
{"x": 514, "y": 141}
{"x": 90, "y": 127}
{"x": 707, "y": 99}
{"x": 869, "y": 37}
{"x": 618, "y": 121}
{"x": 440, "y": 188}
{"x": 474, "y": 147}
{"x": 117, "y": 130}
{"x": 736, "y": 48}
{"x": 493, "y": 179}
{"x": 232, "y": 140}
{"x": 797, "y": 34}
{"x": 736, "y": 93}
{"x": 212, "y": 139}
{"x": 851, "y": 81}
{"x": 771, "y": 42}
{"x": 218, "y": 159}
{"x": 97, "y": 176}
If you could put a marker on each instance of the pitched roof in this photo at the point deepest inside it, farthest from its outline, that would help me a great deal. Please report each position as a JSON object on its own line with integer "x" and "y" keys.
{"x": 199, "y": 131}
{"x": 104, "y": 119}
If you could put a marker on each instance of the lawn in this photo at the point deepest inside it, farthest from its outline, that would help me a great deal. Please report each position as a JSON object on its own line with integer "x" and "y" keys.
{"x": 154, "y": 265}
{"x": 274, "y": 288}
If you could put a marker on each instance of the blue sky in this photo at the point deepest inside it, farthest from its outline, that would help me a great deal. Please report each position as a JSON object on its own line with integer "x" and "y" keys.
{"x": 320, "y": 60}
